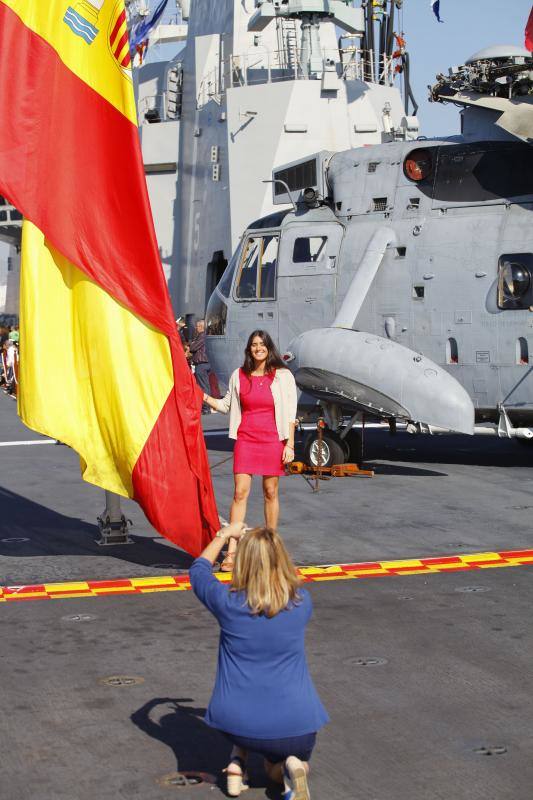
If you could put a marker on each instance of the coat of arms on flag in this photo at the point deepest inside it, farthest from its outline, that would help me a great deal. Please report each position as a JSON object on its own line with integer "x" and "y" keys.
{"x": 82, "y": 18}
{"x": 118, "y": 37}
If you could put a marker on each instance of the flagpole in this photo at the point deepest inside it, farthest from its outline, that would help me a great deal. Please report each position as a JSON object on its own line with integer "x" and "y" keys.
{"x": 112, "y": 523}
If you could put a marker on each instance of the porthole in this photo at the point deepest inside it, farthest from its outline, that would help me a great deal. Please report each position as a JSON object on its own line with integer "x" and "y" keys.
{"x": 522, "y": 351}
{"x": 452, "y": 352}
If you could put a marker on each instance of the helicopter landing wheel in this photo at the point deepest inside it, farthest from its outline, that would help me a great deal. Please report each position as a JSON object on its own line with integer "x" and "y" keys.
{"x": 353, "y": 442}
{"x": 334, "y": 449}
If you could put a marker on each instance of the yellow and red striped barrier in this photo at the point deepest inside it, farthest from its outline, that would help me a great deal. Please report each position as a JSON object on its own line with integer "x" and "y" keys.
{"x": 334, "y": 572}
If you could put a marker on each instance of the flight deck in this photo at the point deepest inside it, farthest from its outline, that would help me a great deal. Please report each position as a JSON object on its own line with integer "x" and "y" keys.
{"x": 420, "y": 644}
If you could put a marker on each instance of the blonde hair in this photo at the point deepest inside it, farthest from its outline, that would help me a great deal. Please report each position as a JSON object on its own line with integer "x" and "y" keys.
{"x": 265, "y": 572}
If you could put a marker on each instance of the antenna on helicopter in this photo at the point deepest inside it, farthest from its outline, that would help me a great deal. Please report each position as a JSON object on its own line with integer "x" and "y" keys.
{"x": 285, "y": 185}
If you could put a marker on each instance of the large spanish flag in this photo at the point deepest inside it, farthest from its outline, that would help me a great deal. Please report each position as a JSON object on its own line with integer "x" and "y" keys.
{"x": 102, "y": 367}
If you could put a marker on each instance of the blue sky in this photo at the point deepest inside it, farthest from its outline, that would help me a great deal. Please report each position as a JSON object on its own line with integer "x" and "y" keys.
{"x": 469, "y": 26}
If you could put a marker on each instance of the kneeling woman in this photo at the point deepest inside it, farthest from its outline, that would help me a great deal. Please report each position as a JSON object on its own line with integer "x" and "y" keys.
{"x": 264, "y": 699}
{"x": 261, "y": 400}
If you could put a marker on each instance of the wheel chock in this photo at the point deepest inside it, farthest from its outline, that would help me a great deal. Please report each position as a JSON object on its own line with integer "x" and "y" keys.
{"x": 336, "y": 471}
{"x": 345, "y": 470}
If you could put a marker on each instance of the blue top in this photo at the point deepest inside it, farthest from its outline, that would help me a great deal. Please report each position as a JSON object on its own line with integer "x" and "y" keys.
{"x": 263, "y": 689}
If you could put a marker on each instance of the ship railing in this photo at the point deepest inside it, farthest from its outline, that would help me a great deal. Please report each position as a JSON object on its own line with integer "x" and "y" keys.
{"x": 263, "y": 67}
{"x": 152, "y": 108}
{"x": 10, "y": 223}
{"x": 361, "y": 65}
{"x": 9, "y": 214}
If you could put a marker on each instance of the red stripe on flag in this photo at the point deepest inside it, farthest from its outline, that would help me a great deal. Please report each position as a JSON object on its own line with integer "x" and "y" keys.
{"x": 126, "y": 60}
{"x": 161, "y": 481}
{"x": 121, "y": 42}
{"x": 118, "y": 24}
{"x": 529, "y": 32}
{"x": 72, "y": 165}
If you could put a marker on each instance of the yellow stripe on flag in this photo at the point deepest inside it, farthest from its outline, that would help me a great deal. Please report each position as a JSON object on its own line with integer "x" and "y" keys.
{"x": 107, "y": 373}
{"x": 108, "y": 78}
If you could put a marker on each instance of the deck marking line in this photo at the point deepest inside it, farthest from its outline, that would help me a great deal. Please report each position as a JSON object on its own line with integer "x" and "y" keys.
{"x": 330, "y": 572}
{"x": 67, "y": 586}
{"x": 28, "y": 442}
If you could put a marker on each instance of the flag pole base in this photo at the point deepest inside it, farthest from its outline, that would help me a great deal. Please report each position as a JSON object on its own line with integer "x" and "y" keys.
{"x": 113, "y": 532}
{"x": 112, "y": 524}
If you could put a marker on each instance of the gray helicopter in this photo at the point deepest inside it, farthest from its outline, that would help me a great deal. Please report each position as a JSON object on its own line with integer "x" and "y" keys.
{"x": 399, "y": 281}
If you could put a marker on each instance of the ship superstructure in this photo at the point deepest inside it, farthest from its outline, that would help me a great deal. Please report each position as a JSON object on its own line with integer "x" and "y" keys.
{"x": 257, "y": 84}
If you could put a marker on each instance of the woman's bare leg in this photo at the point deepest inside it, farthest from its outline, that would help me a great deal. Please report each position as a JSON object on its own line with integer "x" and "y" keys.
{"x": 237, "y": 512}
{"x": 236, "y": 772}
{"x": 271, "y": 498}
{"x": 274, "y": 771}
{"x": 238, "y": 752}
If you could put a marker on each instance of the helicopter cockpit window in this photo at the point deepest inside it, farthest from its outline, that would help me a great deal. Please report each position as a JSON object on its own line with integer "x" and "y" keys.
{"x": 216, "y": 315}
{"x": 515, "y": 281}
{"x": 224, "y": 286}
{"x": 267, "y": 269}
{"x": 257, "y": 273}
{"x": 309, "y": 249}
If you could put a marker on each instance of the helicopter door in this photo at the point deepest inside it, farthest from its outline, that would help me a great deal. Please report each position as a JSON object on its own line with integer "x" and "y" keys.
{"x": 307, "y": 277}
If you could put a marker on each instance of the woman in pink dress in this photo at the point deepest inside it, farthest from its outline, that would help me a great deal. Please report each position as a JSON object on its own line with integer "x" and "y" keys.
{"x": 261, "y": 400}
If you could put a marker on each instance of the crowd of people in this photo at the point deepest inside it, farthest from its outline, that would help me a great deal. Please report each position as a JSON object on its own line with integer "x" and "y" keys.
{"x": 9, "y": 360}
{"x": 196, "y": 355}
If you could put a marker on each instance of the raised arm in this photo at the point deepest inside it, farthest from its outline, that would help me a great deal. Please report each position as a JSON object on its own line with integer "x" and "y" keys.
{"x": 206, "y": 587}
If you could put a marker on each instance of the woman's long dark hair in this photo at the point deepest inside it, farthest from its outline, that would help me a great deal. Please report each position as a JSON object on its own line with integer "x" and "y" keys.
{"x": 274, "y": 360}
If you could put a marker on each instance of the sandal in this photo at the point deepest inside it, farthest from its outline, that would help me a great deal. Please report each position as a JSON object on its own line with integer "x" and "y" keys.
{"x": 228, "y": 563}
{"x": 296, "y": 776}
{"x": 237, "y": 782}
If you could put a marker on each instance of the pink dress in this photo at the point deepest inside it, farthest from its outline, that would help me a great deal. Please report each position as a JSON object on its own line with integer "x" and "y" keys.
{"x": 258, "y": 449}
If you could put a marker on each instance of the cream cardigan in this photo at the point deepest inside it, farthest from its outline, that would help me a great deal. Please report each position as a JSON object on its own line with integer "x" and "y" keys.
{"x": 283, "y": 389}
